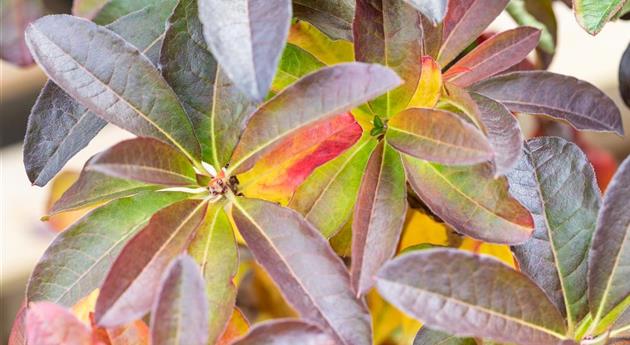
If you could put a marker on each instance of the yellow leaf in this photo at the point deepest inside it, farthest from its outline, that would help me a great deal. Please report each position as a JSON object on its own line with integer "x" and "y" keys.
{"x": 326, "y": 50}
{"x": 429, "y": 86}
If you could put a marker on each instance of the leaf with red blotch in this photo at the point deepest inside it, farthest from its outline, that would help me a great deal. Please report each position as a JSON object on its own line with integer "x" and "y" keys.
{"x": 278, "y": 173}
{"x": 180, "y": 312}
{"x": 50, "y": 324}
{"x": 15, "y": 17}
{"x": 297, "y": 257}
{"x": 285, "y": 332}
{"x": 465, "y": 20}
{"x": 132, "y": 282}
{"x": 495, "y": 55}
{"x": 18, "y": 331}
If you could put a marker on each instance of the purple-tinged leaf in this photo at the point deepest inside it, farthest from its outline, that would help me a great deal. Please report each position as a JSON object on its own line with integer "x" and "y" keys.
{"x": 180, "y": 313}
{"x": 428, "y": 336}
{"x": 15, "y": 16}
{"x": 470, "y": 200}
{"x": 465, "y": 20}
{"x": 555, "y": 181}
{"x": 50, "y": 324}
{"x": 329, "y": 91}
{"x": 434, "y": 10}
{"x": 609, "y": 258}
{"x": 471, "y": 295}
{"x": 389, "y": 32}
{"x": 624, "y": 76}
{"x": 144, "y": 159}
{"x": 538, "y": 14}
{"x": 18, "y": 330}
{"x": 250, "y": 49}
{"x": 495, "y": 55}
{"x": 438, "y": 136}
{"x": 132, "y": 283}
{"x": 298, "y": 259}
{"x": 332, "y": 17}
{"x": 432, "y": 38}
{"x": 379, "y": 216}
{"x": 539, "y": 92}
{"x": 79, "y": 258}
{"x": 285, "y": 332}
{"x": 114, "y": 80}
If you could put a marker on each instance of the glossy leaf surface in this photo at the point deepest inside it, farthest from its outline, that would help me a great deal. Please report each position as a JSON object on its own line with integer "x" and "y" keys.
{"x": 435, "y": 10}
{"x": 470, "y": 200}
{"x": 180, "y": 314}
{"x": 297, "y": 257}
{"x": 390, "y": 33}
{"x": 285, "y": 332}
{"x": 379, "y": 215}
{"x": 539, "y": 92}
{"x": 592, "y": 15}
{"x": 133, "y": 281}
{"x": 250, "y": 50}
{"x": 471, "y": 295}
{"x": 428, "y": 336}
{"x": 50, "y": 324}
{"x": 327, "y": 92}
{"x": 430, "y": 85}
{"x": 79, "y": 258}
{"x": 332, "y": 17}
{"x": 624, "y": 76}
{"x": 16, "y": 16}
{"x": 555, "y": 181}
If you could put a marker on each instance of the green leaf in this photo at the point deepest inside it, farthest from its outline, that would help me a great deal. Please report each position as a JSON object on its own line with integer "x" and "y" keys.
{"x": 294, "y": 64}
{"x": 471, "y": 295}
{"x": 327, "y": 197}
{"x": 214, "y": 248}
{"x": 285, "y": 332}
{"x": 556, "y": 182}
{"x": 390, "y": 33}
{"x": 609, "y": 258}
{"x": 313, "y": 279}
{"x": 438, "y": 136}
{"x": 115, "y": 9}
{"x": 428, "y": 336}
{"x": 592, "y": 15}
{"x": 250, "y": 50}
{"x": 115, "y": 80}
{"x": 180, "y": 314}
{"x": 379, "y": 216}
{"x": 332, "y": 17}
{"x": 327, "y": 92}
{"x": 470, "y": 200}
{"x": 133, "y": 281}
{"x": 87, "y": 8}
{"x": 79, "y": 258}
{"x": 217, "y": 109}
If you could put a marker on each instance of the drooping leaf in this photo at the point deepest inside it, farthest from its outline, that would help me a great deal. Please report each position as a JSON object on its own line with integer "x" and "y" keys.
{"x": 495, "y": 55}
{"x": 250, "y": 50}
{"x": 438, "y": 136}
{"x": 322, "y": 47}
{"x": 470, "y": 200}
{"x": 180, "y": 313}
{"x": 50, "y": 324}
{"x": 434, "y": 10}
{"x": 18, "y": 330}
{"x": 87, "y": 8}
{"x": 125, "y": 89}
{"x": 555, "y": 181}
{"x": 15, "y": 16}
{"x": 133, "y": 280}
{"x": 327, "y": 92}
{"x": 378, "y": 216}
{"x": 297, "y": 257}
{"x": 428, "y": 336}
{"x": 390, "y": 33}
{"x": 285, "y": 332}
{"x": 79, "y": 258}
{"x": 215, "y": 250}
{"x": 592, "y": 15}
{"x": 332, "y": 17}
{"x": 279, "y": 172}
{"x": 609, "y": 258}
{"x": 465, "y": 20}
{"x": 624, "y": 76}
{"x": 538, "y": 14}
{"x": 429, "y": 86}
{"x": 327, "y": 196}
{"x": 539, "y": 92}
{"x": 294, "y": 64}
{"x": 471, "y": 295}
{"x": 58, "y": 126}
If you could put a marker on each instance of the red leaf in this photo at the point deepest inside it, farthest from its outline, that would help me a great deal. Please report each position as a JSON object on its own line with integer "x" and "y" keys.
{"x": 50, "y": 324}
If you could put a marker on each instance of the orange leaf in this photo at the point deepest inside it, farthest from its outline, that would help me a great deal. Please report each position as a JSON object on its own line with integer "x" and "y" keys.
{"x": 236, "y": 328}
{"x": 59, "y": 185}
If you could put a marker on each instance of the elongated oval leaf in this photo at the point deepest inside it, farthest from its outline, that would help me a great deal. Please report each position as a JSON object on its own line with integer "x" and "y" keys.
{"x": 428, "y": 336}
{"x": 125, "y": 89}
{"x": 609, "y": 258}
{"x": 435, "y": 10}
{"x": 79, "y": 258}
{"x": 378, "y": 216}
{"x": 332, "y": 17}
{"x": 538, "y": 14}
{"x": 180, "y": 313}
{"x": 495, "y": 55}
{"x": 285, "y": 332}
{"x": 592, "y": 15}
{"x": 470, "y": 200}
{"x": 322, "y": 47}
{"x": 465, "y": 20}
{"x": 471, "y": 295}
{"x": 297, "y": 257}
{"x": 250, "y": 50}
{"x": 390, "y": 33}
{"x": 539, "y": 92}
{"x": 329, "y": 91}
{"x": 555, "y": 181}
{"x": 133, "y": 281}
{"x": 50, "y": 324}
{"x": 438, "y": 136}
